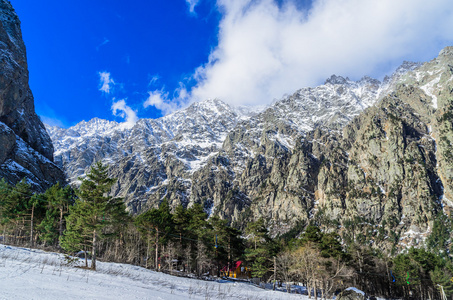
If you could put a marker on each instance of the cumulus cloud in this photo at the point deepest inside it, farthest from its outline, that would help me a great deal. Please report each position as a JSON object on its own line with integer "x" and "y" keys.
{"x": 121, "y": 109}
{"x": 192, "y": 4}
{"x": 161, "y": 99}
{"x": 105, "y": 82}
{"x": 266, "y": 50}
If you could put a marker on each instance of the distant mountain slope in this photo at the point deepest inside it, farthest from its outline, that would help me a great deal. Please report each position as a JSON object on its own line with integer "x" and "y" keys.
{"x": 158, "y": 157}
{"x": 369, "y": 159}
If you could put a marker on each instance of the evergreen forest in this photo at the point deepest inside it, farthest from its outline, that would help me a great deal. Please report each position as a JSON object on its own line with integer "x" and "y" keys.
{"x": 183, "y": 241}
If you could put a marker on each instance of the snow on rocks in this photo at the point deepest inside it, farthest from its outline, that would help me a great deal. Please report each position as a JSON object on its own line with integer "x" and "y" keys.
{"x": 182, "y": 143}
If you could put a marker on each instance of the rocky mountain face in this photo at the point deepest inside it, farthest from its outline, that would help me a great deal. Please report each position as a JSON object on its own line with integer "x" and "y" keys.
{"x": 161, "y": 158}
{"x": 371, "y": 160}
{"x": 154, "y": 158}
{"x": 27, "y": 150}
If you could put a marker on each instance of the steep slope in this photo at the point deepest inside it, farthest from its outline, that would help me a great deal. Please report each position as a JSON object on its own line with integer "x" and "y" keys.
{"x": 381, "y": 180}
{"x": 150, "y": 156}
{"x": 172, "y": 156}
{"x": 27, "y": 150}
{"x": 266, "y": 168}
{"x": 371, "y": 160}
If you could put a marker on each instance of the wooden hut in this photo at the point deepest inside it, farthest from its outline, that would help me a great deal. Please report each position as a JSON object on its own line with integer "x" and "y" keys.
{"x": 238, "y": 270}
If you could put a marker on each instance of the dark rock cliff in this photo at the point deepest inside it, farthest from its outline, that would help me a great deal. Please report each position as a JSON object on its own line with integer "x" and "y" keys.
{"x": 26, "y": 148}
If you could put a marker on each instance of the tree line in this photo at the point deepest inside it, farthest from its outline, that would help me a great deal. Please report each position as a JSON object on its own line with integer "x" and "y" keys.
{"x": 185, "y": 240}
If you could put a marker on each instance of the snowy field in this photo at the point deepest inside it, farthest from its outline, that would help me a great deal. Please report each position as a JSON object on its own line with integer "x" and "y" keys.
{"x": 35, "y": 274}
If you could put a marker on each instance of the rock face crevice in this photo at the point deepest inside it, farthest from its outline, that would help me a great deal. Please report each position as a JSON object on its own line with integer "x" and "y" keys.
{"x": 27, "y": 150}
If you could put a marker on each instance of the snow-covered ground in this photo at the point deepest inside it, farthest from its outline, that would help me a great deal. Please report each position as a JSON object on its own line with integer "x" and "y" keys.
{"x": 35, "y": 274}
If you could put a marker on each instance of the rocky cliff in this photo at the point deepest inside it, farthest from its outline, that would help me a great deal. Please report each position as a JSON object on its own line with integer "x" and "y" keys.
{"x": 27, "y": 150}
{"x": 369, "y": 159}
{"x": 176, "y": 156}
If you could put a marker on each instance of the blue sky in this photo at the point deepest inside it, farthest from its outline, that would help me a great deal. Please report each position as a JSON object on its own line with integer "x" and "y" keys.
{"x": 144, "y": 45}
{"x": 122, "y": 60}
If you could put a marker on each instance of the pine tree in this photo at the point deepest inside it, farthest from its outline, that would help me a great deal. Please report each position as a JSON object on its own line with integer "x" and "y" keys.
{"x": 156, "y": 224}
{"x": 15, "y": 203}
{"x": 77, "y": 235}
{"x": 5, "y": 190}
{"x": 441, "y": 277}
{"x": 261, "y": 249}
{"x": 15, "y": 207}
{"x": 92, "y": 212}
{"x": 58, "y": 200}
{"x": 35, "y": 203}
{"x": 229, "y": 245}
{"x": 195, "y": 235}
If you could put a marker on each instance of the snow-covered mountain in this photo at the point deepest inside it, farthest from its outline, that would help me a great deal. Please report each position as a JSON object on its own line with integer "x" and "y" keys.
{"x": 193, "y": 133}
{"x": 358, "y": 152}
{"x": 158, "y": 157}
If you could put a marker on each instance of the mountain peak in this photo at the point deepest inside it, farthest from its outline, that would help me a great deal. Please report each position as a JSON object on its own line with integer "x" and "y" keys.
{"x": 447, "y": 51}
{"x": 334, "y": 79}
{"x": 369, "y": 80}
{"x": 210, "y": 104}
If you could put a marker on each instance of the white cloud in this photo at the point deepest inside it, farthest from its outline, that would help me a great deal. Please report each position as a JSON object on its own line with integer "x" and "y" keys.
{"x": 163, "y": 102}
{"x": 160, "y": 100}
{"x": 154, "y": 79}
{"x": 121, "y": 109}
{"x": 265, "y": 51}
{"x": 105, "y": 82}
{"x": 192, "y": 4}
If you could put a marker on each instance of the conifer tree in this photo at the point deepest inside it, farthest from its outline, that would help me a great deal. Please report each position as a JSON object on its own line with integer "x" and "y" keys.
{"x": 195, "y": 237}
{"x": 92, "y": 212}
{"x": 35, "y": 203}
{"x": 5, "y": 190}
{"x": 228, "y": 244}
{"x": 15, "y": 206}
{"x": 261, "y": 249}
{"x": 156, "y": 224}
{"x": 15, "y": 203}
{"x": 441, "y": 277}
{"x": 58, "y": 199}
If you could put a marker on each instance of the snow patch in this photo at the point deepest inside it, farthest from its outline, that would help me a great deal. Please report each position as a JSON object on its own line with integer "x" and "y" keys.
{"x": 45, "y": 275}
{"x": 429, "y": 87}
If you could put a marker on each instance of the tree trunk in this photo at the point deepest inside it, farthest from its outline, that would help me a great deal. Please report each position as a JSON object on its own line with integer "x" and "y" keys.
{"x": 147, "y": 255}
{"x": 86, "y": 258}
{"x": 60, "y": 229}
{"x": 93, "y": 258}
{"x": 157, "y": 251}
{"x": 31, "y": 225}
{"x": 275, "y": 272}
{"x": 117, "y": 244}
{"x": 322, "y": 289}
{"x": 315, "y": 291}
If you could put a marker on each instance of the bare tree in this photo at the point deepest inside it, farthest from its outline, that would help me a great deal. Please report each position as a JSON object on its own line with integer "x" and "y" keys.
{"x": 306, "y": 266}
{"x": 283, "y": 269}
{"x": 203, "y": 261}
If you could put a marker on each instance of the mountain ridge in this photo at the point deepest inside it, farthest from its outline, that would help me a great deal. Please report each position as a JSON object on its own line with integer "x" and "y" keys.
{"x": 340, "y": 154}
{"x": 190, "y": 128}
